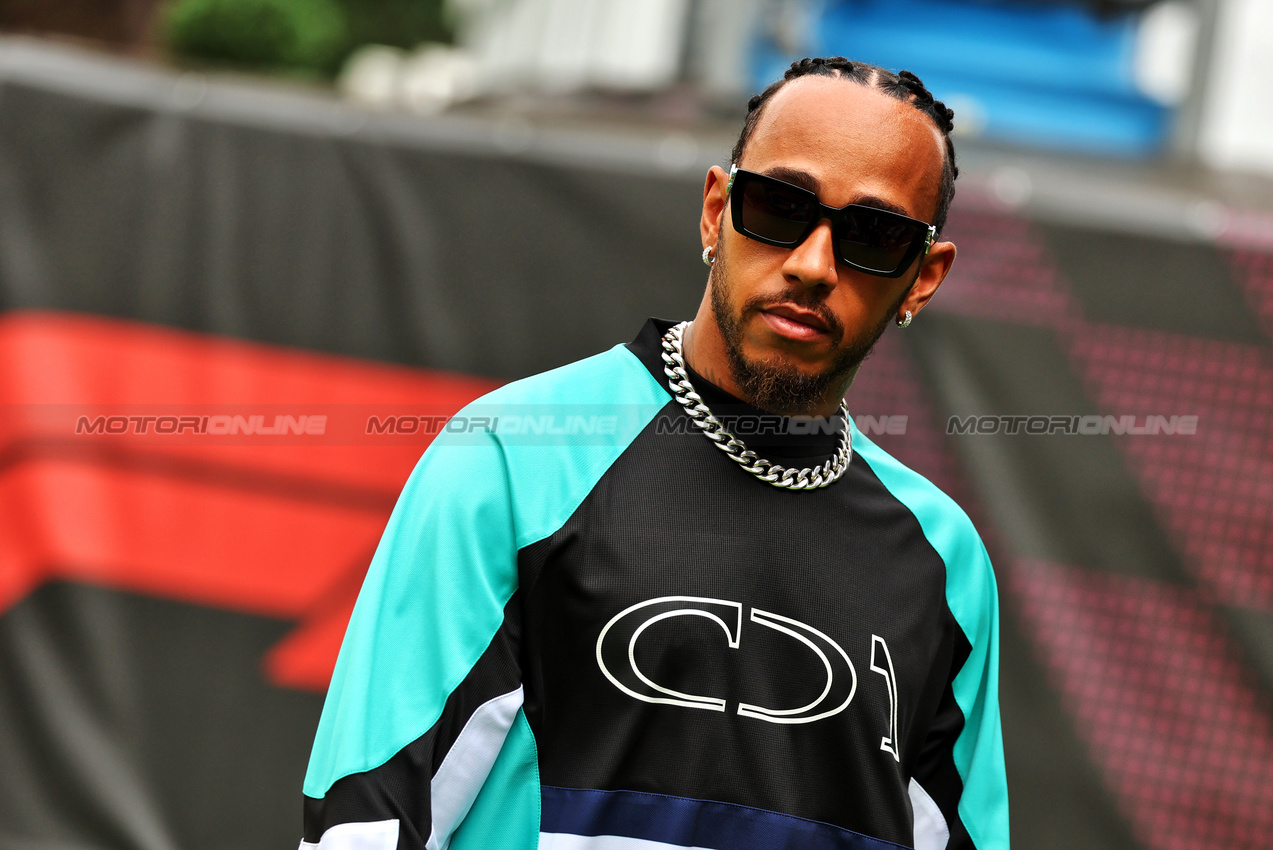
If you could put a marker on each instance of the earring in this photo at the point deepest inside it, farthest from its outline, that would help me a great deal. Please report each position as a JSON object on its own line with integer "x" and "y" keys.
{"x": 708, "y": 259}
{"x": 905, "y": 322}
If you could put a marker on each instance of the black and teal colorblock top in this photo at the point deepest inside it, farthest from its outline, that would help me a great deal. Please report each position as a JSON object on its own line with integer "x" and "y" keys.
{"x": 586, "y": 628}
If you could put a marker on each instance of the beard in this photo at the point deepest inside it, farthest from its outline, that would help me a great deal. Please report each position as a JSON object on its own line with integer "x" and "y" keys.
{"x": 772, "y": 383}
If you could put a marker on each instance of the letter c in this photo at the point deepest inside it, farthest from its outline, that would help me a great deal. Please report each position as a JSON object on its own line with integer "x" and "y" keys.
{"x": 616, "y": 645}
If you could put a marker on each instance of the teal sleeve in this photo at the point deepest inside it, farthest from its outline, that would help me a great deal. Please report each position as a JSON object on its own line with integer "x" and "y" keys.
{"x": 436, "y": 598}
{"x": 433, "y": 599}
{"x": 972, "y": 595}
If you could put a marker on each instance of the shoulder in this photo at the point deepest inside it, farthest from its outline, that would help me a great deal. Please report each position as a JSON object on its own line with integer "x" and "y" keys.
{"x": 970, "y": 582}
{"x": 939, "y": 514}
{"x": 613, "y": 376}
{"x": 534, "y": 448}
{"x": 600, "y": 396}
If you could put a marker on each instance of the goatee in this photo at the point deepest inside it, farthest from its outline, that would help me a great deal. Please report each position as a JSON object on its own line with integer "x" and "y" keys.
{"x": 772, "y": 383}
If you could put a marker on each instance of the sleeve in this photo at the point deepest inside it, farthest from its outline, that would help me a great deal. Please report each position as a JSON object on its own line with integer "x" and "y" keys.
{"x": 958, "y": 790}
{"x": 423, "y": 725}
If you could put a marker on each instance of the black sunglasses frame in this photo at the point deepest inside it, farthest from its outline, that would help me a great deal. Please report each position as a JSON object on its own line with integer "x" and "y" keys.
{"x": 925, "y": 236}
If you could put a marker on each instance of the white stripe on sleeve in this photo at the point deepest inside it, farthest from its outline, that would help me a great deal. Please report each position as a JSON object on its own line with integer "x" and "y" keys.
{"x": 378, "y": 835}
{"x": 931, "y": 829}
{"x": 467, "y": 764}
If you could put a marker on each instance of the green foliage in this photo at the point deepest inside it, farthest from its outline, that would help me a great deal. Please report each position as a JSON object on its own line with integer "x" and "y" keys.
{"x": 398, "y": 23}
{"x": 310, "y": 35}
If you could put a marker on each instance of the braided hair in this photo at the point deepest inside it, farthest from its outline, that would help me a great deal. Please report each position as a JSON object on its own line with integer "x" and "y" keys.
{"x": 903, "y": 86}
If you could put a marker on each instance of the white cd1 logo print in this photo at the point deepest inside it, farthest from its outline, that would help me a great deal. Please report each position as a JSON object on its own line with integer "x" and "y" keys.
{"x": 618, "y": 642}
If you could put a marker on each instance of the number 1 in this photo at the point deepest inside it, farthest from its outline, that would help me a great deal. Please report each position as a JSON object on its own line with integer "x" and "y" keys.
{"x": 889, "y": 742}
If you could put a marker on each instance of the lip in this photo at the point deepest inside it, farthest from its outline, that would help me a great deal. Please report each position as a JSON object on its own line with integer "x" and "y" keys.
{"x": 794, "y": 323}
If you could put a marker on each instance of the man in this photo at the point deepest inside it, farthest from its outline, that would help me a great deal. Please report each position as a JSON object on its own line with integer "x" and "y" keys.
{"x": 674, "y": 634}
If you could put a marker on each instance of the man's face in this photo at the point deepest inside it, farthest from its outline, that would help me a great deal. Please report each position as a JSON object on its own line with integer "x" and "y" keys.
{"x": 773, "y": 382}
{"x": 794, "y": 323}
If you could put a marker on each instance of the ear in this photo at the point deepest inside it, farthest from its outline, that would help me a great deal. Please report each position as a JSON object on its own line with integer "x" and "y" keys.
{"x": 714, "y": 199}
{"x": 936, "y": 265}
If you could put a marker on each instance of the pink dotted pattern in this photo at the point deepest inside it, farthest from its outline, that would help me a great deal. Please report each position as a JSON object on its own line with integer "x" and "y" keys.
{"x": 1214, "y": 488}
{"x": 1255, "y": 270}
{"x": 1169, "y": 715}
{"x": 1159, "y": 691}
{"x": 1002, "y": 272}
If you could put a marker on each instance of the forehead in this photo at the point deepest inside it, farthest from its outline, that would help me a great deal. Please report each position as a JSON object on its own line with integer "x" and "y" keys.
{"x": 854, "y": 141}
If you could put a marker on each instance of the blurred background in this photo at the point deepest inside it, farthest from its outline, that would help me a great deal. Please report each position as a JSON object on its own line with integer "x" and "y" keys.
{"x": 303, "y": 208}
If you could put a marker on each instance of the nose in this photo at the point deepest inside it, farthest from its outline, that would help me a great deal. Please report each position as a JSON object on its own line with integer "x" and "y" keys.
{"x": 812, "y": 262}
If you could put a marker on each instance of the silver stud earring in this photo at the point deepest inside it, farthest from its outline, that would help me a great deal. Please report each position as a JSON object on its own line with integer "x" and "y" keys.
{"x": 906, "y": 322}
{"x": 708, "y": 259}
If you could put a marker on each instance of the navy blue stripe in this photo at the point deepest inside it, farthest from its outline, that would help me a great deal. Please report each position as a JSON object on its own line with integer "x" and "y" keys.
{"x": 691, "y": 823}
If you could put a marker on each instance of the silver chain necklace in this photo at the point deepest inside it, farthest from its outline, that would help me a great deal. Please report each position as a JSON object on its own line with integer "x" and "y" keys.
{"x": 780, "y": 476}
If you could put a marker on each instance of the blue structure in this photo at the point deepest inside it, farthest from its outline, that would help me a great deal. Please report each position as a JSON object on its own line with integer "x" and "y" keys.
{"x": 1052, "y": 76}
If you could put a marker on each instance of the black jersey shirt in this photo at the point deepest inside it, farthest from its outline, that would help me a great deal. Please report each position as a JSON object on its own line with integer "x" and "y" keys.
{"x": 587, "y": 628}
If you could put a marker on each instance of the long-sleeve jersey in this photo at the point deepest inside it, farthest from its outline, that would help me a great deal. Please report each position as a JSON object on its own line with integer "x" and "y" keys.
{"x": 587, "y": 628}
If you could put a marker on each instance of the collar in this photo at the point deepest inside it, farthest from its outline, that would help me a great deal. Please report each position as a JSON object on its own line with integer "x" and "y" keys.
{"x": 783, "y": 439}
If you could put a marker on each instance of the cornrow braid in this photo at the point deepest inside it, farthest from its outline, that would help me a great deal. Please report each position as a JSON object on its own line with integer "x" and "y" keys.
{"x": 903, "y": 86}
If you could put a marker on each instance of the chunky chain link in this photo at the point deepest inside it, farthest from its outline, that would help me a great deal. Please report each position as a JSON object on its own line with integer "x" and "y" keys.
{"x": 780, "y": 476}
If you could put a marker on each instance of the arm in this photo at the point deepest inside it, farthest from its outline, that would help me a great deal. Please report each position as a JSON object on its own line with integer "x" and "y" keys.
{"x": 423, "y": 742}
{"x": 959, "y": 792}
{"x": 959, "y": 789}
{"x": 423, "y": 716}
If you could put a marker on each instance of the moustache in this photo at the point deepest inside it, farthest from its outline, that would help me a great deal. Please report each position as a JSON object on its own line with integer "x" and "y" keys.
{"x": 814, "y": 304}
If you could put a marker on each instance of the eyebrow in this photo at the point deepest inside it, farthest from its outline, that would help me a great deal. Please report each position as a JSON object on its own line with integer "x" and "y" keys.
{"x": 805, "y": 180}
{"x": 881, "y": 204}
{"x": 795, "y": 176}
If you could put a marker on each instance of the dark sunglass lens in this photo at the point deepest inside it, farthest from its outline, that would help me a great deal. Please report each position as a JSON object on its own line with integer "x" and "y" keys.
{"x": 878, "y": 242}
{"x": 775, "y": 212}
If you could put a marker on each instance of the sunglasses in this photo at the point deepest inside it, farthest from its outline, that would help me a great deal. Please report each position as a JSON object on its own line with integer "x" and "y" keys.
{"x": 868, "y": 239}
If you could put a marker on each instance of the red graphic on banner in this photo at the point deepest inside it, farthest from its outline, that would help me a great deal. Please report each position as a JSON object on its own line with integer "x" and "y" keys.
{"x": 283, "y": 530}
